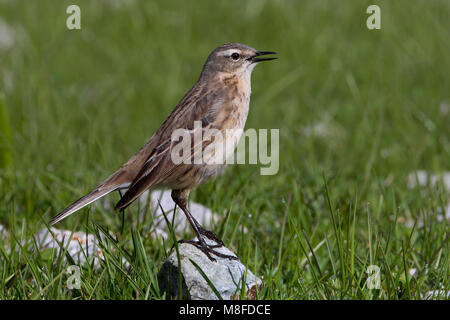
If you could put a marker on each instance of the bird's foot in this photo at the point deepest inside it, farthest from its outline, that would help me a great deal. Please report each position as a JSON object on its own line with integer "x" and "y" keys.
{"x": 211, "y": 236}
{"x": 208, "y": 249}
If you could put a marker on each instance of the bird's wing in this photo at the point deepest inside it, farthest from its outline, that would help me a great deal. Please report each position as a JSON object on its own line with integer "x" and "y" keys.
{"x": 133, "y": 167}
{"x": 194, "y": 105}
{"x": 159, "y": 165}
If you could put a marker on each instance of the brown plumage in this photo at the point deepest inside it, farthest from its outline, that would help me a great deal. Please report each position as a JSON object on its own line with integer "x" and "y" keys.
{"x": 219, "y": 100}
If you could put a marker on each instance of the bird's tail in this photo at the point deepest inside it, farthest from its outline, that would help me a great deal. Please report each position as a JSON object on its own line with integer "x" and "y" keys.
{"x": 112, "y": 183}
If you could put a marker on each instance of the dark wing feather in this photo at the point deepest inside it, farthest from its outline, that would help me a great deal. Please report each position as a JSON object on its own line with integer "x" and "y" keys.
{"x": 200, "y": 107}
{"x": 146, "y": 178}
{"x": 146, "y": 168}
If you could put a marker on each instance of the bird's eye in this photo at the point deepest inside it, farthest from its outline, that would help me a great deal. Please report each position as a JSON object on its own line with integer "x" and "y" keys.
{"x": 235, "y": 56}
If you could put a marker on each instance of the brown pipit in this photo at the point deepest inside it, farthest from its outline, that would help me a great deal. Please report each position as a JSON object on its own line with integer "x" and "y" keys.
{"x": 219, "y": 101}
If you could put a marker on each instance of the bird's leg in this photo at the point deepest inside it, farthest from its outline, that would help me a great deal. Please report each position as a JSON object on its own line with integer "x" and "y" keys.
{"x": 181, "y": 202}
{"x": 180, "y": 198}
{"x": 209, "y": 234}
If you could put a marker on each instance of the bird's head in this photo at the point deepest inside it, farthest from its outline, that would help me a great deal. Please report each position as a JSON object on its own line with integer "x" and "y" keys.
{"x": 234, "y": 58}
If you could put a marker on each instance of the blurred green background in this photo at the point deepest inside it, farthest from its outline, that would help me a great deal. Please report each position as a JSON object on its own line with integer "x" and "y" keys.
{"x": 362, "y": 108}
{"x": 82, "y": 102}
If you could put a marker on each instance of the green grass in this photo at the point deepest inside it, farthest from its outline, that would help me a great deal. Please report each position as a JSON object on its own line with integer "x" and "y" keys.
{"x": 80, "y": 103}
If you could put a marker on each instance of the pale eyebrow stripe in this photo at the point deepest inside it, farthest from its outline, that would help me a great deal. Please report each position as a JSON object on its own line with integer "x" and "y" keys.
{"x": 228, "y": 52}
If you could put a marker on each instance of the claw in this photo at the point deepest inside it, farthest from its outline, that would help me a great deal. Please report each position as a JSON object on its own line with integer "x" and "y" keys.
{"x": 211, "y": 236}
{"x": 208, "y": 249}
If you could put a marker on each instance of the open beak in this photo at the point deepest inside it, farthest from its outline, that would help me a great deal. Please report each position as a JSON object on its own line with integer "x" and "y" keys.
{"x": 255, "y": 58}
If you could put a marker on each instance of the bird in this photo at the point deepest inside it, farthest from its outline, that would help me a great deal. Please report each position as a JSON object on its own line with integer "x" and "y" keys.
{"x": 219, "y": 101}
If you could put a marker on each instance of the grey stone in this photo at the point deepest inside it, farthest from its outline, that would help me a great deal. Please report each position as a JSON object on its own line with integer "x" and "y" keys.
{"x": 226, "y": 275}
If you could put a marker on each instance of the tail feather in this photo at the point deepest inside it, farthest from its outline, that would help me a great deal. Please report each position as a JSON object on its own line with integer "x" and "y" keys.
{"x": 120, "y": 179}
{"x": 81, "y": 203}
{"x": 147, "y": 177}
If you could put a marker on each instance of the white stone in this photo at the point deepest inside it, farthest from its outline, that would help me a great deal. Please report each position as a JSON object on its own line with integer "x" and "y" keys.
{"x": 6, "y": 35}
{"x": 424, "y": 178}
{"x": 436, "y": 295}
{"x": 79, "y": 244}
{"x": 3, "y": 232}
{"x": 226, "y": 275}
